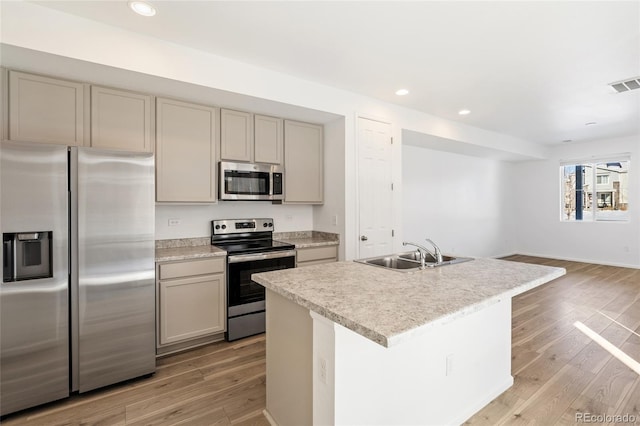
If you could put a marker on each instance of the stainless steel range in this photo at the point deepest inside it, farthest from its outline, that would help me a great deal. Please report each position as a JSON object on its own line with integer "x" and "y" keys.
{"x": 250, "y": 249}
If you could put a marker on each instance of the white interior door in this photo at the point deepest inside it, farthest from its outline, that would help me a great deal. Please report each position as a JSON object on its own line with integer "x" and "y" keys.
{"x": 374, "y": 188}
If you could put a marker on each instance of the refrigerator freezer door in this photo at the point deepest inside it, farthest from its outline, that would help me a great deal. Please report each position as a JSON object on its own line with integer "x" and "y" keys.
{"x": 34, "y": 314}
{"x": 116, "y": 267}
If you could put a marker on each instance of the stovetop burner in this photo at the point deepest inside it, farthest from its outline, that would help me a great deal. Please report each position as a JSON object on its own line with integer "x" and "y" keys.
{"x": 239, "y": 236}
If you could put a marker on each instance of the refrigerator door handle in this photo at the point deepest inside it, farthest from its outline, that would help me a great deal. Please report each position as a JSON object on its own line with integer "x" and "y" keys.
{"x": 8, "y": 260}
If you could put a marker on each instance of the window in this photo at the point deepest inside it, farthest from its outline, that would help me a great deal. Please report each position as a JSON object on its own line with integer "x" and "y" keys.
{"x": 595, "y": 190}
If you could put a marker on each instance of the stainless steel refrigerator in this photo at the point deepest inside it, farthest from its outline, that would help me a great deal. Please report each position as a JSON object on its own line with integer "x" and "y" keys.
{"x": 77, "y": 298}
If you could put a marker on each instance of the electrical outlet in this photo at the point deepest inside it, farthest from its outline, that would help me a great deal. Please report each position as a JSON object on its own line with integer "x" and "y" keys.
{"x": 322, "y": 370}
{"x": 334, "y": 220}
{"x": 174, "y": 222}
{"x": 449, "y": 369}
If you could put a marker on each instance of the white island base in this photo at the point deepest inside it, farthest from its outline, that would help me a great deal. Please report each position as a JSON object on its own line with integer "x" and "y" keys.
{"x": 321, "y": 373}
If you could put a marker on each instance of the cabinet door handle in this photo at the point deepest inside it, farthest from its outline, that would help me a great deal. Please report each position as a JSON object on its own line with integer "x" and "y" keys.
{"x": 363, "y": 238}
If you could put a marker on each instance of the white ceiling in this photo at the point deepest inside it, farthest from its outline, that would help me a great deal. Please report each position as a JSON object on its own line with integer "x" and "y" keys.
{"x": 535, "y": 70}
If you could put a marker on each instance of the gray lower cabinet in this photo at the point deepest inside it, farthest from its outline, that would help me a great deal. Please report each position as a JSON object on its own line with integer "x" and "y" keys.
{"x": 303, "y": 163}
{"x": 191, "y": 302}
{"x": 47, "y": 110}
{"x": 122, "y": 120}
{"x": 316, "y": 255}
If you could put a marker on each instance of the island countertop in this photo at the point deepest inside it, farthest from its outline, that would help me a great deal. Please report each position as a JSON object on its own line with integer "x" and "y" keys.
{"x": 389, "y": 307}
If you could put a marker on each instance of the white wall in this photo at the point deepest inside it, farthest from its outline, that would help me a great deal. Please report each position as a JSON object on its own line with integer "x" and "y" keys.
{"x": 458, "y": 201}
{"x": 536, "y": 196}
{"x": 484, "y": 229}
{"x": 69, "y": 36}
{"x": 330, "y": 217}
{"x": 195, "y": 220}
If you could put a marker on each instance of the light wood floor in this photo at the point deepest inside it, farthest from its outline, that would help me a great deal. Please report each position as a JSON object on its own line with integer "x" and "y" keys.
{"x": 558, "y": 371}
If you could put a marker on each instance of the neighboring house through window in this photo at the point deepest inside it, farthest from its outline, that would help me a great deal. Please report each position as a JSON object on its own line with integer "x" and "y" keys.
{"x": 595, "y": 190}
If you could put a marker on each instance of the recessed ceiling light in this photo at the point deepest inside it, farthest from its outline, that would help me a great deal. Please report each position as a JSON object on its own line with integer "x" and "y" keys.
{"x": 464, "y": 112}
{"x": 402, "y": 92}
{"x": 142, "y": 8}
{"x": 590, "y": 123}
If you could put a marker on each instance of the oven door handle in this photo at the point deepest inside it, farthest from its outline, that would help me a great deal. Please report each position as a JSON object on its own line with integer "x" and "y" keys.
{"x": 261, "y": 256}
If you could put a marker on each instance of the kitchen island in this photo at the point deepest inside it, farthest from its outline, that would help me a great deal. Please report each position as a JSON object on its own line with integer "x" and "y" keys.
{"x": 349, "y": 343}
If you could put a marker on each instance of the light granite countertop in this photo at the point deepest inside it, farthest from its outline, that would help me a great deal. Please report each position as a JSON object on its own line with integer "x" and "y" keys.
{"x": 186, "y": 249}
{"x": 389, "y": 307}
{"x": 188, "y": 253}
{"x": 195, "y": 248}
{"x": 307, "y": 239}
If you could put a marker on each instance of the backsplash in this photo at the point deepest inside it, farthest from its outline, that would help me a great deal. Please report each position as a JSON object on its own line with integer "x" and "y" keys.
{"x": 194, "y": 221}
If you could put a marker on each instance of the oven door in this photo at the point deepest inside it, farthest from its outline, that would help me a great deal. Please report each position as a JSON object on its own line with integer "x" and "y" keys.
{"x": 241, "y": 290}
{"x": 246, "y": 304}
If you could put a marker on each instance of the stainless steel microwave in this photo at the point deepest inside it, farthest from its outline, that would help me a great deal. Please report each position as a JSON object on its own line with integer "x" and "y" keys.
{"x": 249, "y": 181}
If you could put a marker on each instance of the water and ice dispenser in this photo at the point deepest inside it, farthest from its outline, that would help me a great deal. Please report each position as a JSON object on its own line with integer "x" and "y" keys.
{"x": 26, "y": 255}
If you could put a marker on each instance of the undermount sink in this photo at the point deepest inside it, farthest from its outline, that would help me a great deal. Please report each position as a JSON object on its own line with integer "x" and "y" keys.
{"x": 392, "y": 262}
{"x": 410, "y": 261}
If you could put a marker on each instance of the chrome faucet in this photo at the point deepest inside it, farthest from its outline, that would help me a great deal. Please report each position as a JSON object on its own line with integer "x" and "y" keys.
{"x": 436, "y": 255}
{"x": 421, "y": 250}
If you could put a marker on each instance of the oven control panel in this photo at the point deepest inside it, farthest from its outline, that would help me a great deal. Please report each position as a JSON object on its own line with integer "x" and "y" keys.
{"x": 236, "y": 226}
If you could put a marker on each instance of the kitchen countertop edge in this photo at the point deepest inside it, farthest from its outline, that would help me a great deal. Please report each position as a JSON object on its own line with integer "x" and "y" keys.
{"x": 388, "y": 340}
{"x": 188, "y": 253}
{"x": 309, "y": 242}
{"x": 308, "y": 239}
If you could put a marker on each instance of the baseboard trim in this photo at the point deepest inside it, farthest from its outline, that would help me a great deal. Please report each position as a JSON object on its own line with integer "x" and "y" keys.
{"x": 574, "y": 259}
{"x": 270, "y": 419}
{"x": 480, "y": 404}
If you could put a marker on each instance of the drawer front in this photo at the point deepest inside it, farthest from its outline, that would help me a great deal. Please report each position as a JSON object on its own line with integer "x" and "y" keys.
{"x": 317, "y": 253}
{"x": 192, "y": 267}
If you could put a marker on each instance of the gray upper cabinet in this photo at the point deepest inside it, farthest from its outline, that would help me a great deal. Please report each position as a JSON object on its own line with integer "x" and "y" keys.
{"x": 269, "y": 137}
{"x": 303, "y": 162}
{"x": 186, "y": 146}
{"x": 121, "y": 120}
{"x": 236, "y": 135}
{"x": 46, "y": 110}
{"x": 251, "y": 138}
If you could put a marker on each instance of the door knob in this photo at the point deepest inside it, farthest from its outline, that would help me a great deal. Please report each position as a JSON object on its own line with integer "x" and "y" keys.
{"x": 363, "y": 238}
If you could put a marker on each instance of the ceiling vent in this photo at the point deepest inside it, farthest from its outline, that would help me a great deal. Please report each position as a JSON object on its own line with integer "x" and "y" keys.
{"x": 626, "y": 85}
